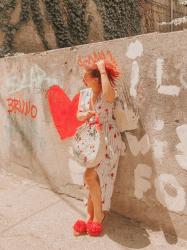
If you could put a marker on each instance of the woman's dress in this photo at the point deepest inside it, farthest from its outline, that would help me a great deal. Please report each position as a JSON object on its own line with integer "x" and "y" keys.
{"x": 115, "y": 147}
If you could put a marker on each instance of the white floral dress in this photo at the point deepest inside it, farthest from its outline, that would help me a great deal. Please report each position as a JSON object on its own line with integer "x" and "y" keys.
{"x": 115, "y": 147}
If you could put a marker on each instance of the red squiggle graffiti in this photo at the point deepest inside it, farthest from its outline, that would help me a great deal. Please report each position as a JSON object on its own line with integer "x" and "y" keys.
{"x": 95, "y": 56}
{"x": 21, "y": 106}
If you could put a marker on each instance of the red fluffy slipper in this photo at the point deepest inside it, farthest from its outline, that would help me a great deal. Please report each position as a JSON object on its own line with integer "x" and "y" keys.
{"x": 94, "y": 228}
{"x": 80, "y": 227}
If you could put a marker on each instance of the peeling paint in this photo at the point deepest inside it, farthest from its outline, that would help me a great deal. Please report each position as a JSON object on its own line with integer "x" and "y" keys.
{"x": 33, "y": 78}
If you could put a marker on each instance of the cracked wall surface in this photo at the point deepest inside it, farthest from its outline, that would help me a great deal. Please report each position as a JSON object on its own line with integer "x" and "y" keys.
{"x": 151, "y": 180}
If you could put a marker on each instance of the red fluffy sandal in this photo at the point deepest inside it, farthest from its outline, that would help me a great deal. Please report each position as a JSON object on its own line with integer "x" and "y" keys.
{"x": 80, "y": 227}
{"x": 95, "y": 228}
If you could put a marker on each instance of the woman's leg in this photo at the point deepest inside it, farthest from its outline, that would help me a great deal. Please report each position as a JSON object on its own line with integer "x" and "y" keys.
{"x": 90, "y": 208}
{"x": 92, "y": 181}
{"x": 90, "y": 213}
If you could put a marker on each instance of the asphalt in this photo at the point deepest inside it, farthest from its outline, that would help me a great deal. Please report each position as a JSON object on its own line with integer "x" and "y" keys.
{"x": 33, "y": 217}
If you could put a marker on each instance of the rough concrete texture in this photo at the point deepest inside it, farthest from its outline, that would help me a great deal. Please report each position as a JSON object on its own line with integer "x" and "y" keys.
{"x": 151, "y": 180}
{"x": 35, "y": 218}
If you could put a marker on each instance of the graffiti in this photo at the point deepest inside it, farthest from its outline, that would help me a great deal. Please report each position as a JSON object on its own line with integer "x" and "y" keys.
{"x": 172, "y": 90}
{"x": 183, "y": 80}
{"x": 169, "y": 193}
{"x": 136, "y": 147}
{"x": 142, "y": 184}
{"x": 158, "y": 125}
{"x": 63, "y": 111}
{"x": 21, "y": 106}
{"x": 35, "y": 79}
{"x": 159, "y": 148}
{"x": 96, "y": 56}
{"x": 134, "y": 79}
{"x": 182, "y": 146}
{"x": 134, "y": 50}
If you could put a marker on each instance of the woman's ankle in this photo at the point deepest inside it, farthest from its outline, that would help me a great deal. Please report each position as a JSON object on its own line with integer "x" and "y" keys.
{"x": 99, "y": 217}
{"x": 89, "y": 217}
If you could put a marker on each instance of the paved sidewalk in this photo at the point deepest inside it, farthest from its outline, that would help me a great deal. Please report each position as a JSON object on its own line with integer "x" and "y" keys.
{"x": 34, "y": 218}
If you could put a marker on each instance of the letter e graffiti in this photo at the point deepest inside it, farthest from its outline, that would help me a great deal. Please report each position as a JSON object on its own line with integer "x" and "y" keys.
{"x": 169, "y": 193}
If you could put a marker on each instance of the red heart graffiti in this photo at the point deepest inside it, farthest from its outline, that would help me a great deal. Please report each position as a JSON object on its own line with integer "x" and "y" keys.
{"x": 63, "y": 111}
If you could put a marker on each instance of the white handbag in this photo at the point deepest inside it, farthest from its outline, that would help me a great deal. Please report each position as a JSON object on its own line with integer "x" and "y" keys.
{"x": 89, "y": 144}
{"x": 89, "y": 140}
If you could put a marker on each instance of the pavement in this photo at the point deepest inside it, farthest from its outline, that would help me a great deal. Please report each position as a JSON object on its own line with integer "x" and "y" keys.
{"x": 33, "y": 217}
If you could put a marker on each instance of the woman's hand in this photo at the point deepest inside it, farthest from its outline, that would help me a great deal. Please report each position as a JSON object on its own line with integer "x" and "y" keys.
{"x": 101, "y": 66}
{"x": 107, "y": 89}
{"x": 90, "y": 113}
{"x": 81, "y": 116}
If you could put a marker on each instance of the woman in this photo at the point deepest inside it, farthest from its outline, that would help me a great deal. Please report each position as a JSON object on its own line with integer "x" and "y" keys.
{"x": 99, "y": 180}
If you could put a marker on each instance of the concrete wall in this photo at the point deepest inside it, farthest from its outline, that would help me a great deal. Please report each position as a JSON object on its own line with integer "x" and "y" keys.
{"x": 151, "y": 181}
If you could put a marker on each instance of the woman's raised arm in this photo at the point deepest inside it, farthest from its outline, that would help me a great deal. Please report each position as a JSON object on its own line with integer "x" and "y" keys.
{"x": 107, "y": 90}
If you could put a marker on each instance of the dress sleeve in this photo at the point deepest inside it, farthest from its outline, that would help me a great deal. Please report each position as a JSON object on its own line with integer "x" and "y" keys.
{"x": 84, "y": 100}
